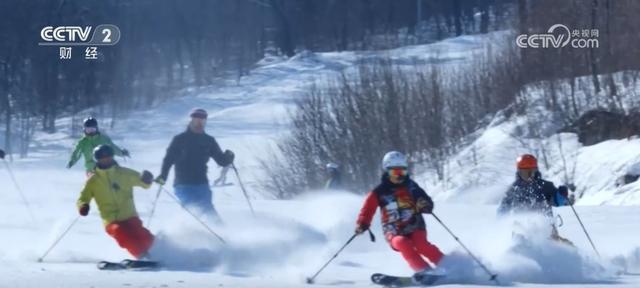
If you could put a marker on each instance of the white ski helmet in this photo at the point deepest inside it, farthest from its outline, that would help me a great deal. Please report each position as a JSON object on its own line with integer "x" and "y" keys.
{"x": 332, "y": 165}
{"x": 394, "y": 159}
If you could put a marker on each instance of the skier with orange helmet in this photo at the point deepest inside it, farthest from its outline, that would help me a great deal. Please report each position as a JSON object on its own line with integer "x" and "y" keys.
{"x": 530, "y": 193}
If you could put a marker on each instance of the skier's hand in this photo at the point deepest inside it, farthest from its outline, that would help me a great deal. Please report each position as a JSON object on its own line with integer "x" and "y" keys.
{"x": 147, "y": 177}
{"x": 160, "y": 180}
{"x": 425, "y": 206}
{"x": 2, "y": 154}
{"x": 564, "y": 191}
{"x": 84, "y": 210}
{"x": 361, "y": 228}
{"x": 69, "y": 165}
{"x": 230, "y": 156}
{"x": 125, "y": 153}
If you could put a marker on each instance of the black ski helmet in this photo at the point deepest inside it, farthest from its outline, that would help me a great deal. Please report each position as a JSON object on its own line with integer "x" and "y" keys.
{"x": 102, "y": 151}
{"x": 90, "y": 122}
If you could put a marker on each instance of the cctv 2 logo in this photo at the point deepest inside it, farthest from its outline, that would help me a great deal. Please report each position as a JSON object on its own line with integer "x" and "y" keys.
{"x": 104, "y": 34}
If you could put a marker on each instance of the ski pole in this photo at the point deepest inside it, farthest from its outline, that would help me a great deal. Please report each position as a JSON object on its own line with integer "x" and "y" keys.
{"x": 244, "y": 191}
{"x": 310, "y": 280}
{"x": 585, "y": 230}
{"x": 15, "y": 183}
{"x": 59, "y": 238}
{"x": 194, "y": 216}
{"x": 494, "y": 277}
{"x": 153, "y": 207}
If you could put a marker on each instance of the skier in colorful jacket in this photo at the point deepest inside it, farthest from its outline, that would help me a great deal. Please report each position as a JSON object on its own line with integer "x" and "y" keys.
{"x": 530, "y": 193}
{"x": 190, "y": 151}
{"x": 111, "y": 186}
{"x": 401, "y": 203}
{"x": 92, "y": 138}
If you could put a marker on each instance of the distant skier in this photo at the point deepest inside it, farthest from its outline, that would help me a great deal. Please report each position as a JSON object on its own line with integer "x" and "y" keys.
{"x": 111, "y": 186}
{"x": 335, "y": 179}
{"x": 92, "y": 138}
{"x": 2, "y": 154}
{"x": 402, "y": 203}
{"x": 190, "y": 151}
{"x": 530, "y": 193}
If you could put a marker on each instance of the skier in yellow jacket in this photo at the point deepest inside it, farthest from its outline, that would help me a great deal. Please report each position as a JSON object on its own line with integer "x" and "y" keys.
{"x": 111, "y": 186}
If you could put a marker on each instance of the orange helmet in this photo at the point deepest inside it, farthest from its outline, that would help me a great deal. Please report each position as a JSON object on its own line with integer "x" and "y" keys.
{"x": 527, "y": 161}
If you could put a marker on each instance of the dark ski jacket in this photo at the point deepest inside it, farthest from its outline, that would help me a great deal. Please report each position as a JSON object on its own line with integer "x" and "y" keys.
{"x": 536, "y": 196}
{"x": 401, "y": 206}
{"x": 190, "y": 152}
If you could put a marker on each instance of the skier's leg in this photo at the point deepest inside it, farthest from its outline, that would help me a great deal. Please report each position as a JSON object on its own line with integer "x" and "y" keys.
{"x": 128, "y": 237}
{"x": 424, "y": 247}
{"x": 405, "y": 246}
{"x": 556, "y": 236}
{"x": 143, "y": 236}
{"x": 184, "y": 193}
{"x": 206, "y": 203}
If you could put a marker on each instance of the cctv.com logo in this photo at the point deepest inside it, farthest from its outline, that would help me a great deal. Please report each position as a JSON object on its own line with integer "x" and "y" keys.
{"x": 559, "y": 36}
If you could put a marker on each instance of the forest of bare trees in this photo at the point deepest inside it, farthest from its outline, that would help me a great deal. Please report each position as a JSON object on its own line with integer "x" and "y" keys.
{"x": 167, "y": 45}
{"x": 429, "y": 111}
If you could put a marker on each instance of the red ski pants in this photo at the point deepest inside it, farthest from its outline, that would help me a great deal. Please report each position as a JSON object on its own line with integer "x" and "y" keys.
{"x": 131, "y": 235}
{"x": 413, "y": 247}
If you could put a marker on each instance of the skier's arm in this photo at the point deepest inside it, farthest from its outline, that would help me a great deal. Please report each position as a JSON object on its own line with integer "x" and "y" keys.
{"x": 506, "y": 203}
{"x": 143, "y": 179}
{"x": 86, "y": 195}
{"x": 75, "y": 155}
{"x": 223, "y": 159}
{"x": 560, "y": 196}
{"x": 116, "y": 149}
{"x": 169, "y": 159}
{"x": 424, "y": 203}
{"x": 368, "y": 210}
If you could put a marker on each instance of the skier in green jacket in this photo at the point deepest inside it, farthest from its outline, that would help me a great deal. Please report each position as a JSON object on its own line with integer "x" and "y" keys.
{"x": 92, "y": 139}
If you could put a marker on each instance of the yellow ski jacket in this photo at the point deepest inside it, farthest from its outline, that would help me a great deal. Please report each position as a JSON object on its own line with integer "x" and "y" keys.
{"x": 112, "y": 189}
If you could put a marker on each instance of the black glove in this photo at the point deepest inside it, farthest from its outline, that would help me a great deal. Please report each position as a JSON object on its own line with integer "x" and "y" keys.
{"x": 2, "y": 154}
{"x": 230, "y": 156}
{"x": 69, "y": 165}
{"x": 428, "y": 208}
{"x": 125, "y": 153}
{"x": 147, "y": 177}
{"x": 361, "y": 228}
{"x": 84, "y": 210}
{"x": 425, "y": 206}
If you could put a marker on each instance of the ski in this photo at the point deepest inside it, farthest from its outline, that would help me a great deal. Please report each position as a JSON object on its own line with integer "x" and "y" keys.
{"x": 404, "y": 281}
{"x": 128, "y": 264}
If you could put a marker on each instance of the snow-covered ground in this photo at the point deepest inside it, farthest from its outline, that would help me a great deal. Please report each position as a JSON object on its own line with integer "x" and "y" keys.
{"x": 289, "y": 240}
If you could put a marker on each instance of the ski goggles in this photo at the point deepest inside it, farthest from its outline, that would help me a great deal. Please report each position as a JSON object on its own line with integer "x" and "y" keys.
{"x": 397, "y": 171}
{"x": 527, "y": 174}
{"x": 90, "y": 130}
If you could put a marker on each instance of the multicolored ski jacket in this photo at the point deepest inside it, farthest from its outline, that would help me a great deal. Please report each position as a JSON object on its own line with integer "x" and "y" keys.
{"x": 401, "y": 205}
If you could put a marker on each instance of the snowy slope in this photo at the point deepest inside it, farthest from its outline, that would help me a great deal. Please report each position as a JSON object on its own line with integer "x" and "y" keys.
{"x": 484, "y": 169}
{"x": 287, "y": 240}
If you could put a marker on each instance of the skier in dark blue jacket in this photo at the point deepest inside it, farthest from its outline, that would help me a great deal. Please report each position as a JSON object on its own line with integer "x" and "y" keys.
{"x": 530, "y": 193}
{"x": 189, "y": 152}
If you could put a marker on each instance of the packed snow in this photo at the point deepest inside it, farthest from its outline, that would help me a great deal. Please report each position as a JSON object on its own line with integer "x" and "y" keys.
{"x": 287, "y": 241}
